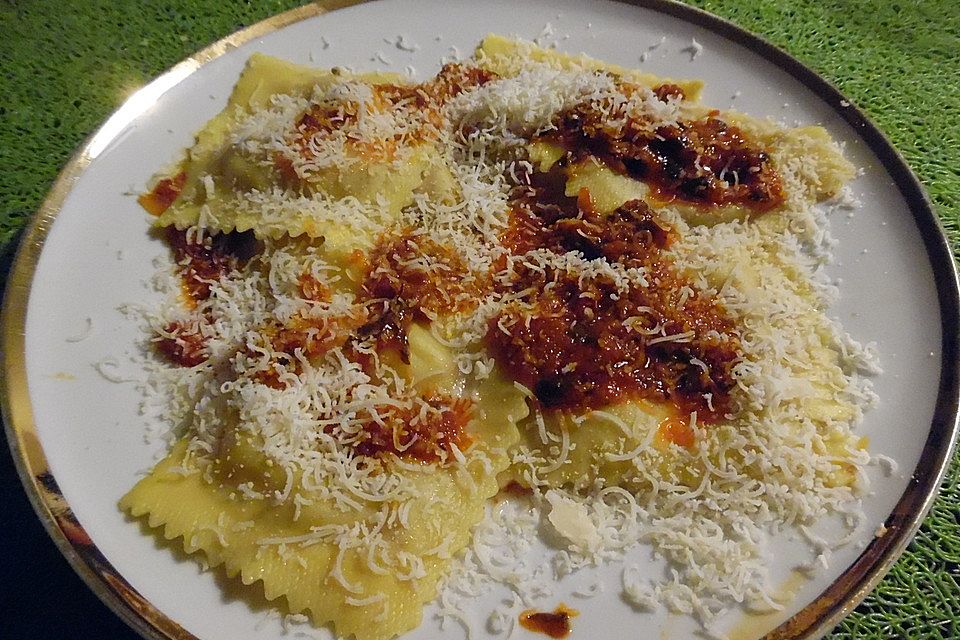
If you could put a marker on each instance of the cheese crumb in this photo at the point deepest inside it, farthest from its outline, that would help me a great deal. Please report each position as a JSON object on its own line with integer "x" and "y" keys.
{"x": 572, "y": 521}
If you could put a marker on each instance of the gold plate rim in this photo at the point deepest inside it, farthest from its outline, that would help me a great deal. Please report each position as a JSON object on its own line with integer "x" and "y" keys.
{"x": 814, "y": 621}
{"x": 28, "y": 456}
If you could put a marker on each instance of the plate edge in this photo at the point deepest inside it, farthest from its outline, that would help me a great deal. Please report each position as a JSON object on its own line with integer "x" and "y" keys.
{"x": 20, "y": 429}
{"x": 815, "y": 620}
{"x": 827, "y": 610}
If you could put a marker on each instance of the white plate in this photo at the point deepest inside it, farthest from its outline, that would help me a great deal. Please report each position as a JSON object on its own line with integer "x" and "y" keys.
{"x": 898, "y": 286}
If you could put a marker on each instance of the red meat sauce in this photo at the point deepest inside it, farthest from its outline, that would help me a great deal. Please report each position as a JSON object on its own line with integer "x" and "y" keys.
{"x": 669, "y": 91}
{"x": 424, "y": 101}
{"x": 201, "y": 264}
{"x": 183, "y": 344}
{"x": 427, "y": 437}
{"x": 706, "y": 161}
{"x": 587, "y": 344}
{"x": 395, "y": 293}
{"x": 575, "y": 351}
{"x": 411, "y": 278}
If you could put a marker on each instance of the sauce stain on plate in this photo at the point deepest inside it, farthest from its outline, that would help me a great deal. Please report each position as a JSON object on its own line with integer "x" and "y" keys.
{"x": 555, "y": 624}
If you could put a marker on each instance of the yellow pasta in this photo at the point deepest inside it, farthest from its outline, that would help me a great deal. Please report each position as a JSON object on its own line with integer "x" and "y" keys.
{"x": 321, "y": 559}
{"x": 394, "y": 299}
{"x": 507, "y": 57}
{"x": 217, "y": 166}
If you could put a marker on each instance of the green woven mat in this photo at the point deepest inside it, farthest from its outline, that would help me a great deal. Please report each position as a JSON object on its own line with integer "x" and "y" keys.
{"x": 65, "y": 66}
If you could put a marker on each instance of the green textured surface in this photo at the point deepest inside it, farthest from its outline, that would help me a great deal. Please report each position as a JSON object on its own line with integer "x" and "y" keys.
{"x": 65, "y": 66}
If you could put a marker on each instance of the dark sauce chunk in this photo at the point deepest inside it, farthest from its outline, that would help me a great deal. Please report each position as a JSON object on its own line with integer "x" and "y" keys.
{"x": 704, "y": 161}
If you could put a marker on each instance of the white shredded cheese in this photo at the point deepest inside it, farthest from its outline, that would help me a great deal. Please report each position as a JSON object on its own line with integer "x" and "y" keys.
{"x": 705, "y": 509}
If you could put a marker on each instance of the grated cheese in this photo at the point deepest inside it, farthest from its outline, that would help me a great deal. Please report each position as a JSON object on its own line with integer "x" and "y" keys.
{"x": 770, "y": 465}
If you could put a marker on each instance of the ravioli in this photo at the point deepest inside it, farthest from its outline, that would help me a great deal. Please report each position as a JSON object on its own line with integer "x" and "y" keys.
{"x": 232, "y": 175}
{"x": 323, "y": 560}
{"x": 390, "y": 300}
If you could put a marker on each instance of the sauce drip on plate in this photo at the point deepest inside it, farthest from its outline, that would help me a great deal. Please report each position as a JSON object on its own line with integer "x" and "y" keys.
{"x": 555, "y": 624}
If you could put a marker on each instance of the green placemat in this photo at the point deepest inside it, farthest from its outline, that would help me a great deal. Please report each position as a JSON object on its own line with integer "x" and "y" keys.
{"x": 65, "y": 66}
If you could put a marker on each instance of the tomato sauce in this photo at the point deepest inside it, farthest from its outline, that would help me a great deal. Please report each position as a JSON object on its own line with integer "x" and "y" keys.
{"x": 163, "y": 194}
{"x": 705, "y": 161}
{"x": 425, "y": 437}
{"x": 676, "y": 430}
{"x": 587, "y": 343}
{"x": 556, "y": 624}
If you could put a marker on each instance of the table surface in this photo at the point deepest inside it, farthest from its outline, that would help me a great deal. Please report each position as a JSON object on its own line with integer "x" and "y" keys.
{"x": 65, "y": 66}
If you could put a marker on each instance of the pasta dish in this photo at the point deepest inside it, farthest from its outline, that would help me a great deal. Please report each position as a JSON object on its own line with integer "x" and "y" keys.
{"x": 533, "y": 277}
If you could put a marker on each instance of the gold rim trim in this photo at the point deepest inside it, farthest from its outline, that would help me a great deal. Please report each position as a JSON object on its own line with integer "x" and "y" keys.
{"x": 814, "y": 621}
{"x": 31, "y": 462}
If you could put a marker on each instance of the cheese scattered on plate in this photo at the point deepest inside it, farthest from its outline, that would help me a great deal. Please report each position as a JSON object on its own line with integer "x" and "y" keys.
{"x": 392, "y": 301}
